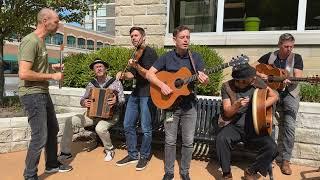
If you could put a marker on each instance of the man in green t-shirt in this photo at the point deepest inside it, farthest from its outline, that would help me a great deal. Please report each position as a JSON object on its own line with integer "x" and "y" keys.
{"x": 34, "y": 73}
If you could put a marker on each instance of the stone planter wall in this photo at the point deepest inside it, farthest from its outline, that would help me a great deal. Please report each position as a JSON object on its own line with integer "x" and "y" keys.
{"x": 15, "y": 132}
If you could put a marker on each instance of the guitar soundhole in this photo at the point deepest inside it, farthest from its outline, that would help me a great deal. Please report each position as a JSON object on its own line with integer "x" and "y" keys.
{"x": 178, "y": 83}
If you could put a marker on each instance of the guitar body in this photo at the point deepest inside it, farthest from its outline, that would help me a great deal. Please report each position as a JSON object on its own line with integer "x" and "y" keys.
{"x": 272, "y": 71}
{"x": 169, "y": 78}
{"x": 261, "y": 116}
{"x": 178, "y": 82}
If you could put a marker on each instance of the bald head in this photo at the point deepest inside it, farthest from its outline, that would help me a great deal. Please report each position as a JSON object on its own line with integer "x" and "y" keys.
{"x": 46, "y": 13}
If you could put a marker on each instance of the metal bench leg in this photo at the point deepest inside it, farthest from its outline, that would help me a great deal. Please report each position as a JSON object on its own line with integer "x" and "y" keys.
{"x": 270, "y": 172}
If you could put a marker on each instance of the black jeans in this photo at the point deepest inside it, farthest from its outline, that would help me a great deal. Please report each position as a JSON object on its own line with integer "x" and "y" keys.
{"x": 44, "y": 129}
{"x": 231, "y": 134}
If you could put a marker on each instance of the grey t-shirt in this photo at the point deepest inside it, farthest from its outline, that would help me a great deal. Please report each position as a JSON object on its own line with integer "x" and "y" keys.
{"x": 243, "y": 118}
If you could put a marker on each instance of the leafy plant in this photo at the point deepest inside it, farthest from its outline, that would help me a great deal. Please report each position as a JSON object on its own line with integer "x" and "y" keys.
{"x": 78, "y": 74}
{"x": 309, "y": 93}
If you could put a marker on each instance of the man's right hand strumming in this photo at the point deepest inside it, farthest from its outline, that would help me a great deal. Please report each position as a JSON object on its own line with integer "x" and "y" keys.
{"x": 165, "y": 89}
{"x": 262, "y": 76}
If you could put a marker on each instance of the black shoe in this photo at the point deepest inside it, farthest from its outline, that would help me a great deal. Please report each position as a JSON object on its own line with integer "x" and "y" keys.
{"x": 64, "y": 156}
{"x": 60, "y": 168}
{"x": 185, "y": 176}
{"x": 142, "y": 164}
{"x": 127, "y": 160}
{"x": 32, "y": 178}
{"x": 168, "y": 176}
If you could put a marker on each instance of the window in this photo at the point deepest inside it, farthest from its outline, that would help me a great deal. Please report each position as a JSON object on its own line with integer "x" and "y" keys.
{"x": 313, "y": 15}
{"x": 106, "y": 26}
{"x": 199, "y": 15}
{"x": 88, "y": 26}
{"x": 99, "y": 45}
{"x": 89, "y": 16}
{"x": 111, "y": 10}
{"x": 81, "y": 43}
{"x": 263, "y": 15}
{"x": 242, "y": 15}
{"x": 48, "y": 39}
{"x": 57, "y": 39}
{"x": 102, "y": 11}
{"x": 90, "y": 44}
{"x": 71, "y": 41}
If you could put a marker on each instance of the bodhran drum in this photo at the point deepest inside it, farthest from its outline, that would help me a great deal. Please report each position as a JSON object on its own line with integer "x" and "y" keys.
{"x": 262, "y": 116}
{"x": 99, "y": 107}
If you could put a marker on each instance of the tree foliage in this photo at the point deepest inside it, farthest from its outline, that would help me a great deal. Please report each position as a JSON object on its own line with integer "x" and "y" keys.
{"x": 17, "y": 17}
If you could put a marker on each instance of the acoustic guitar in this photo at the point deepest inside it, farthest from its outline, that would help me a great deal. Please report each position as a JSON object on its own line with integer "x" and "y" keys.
{"x": 276, "y": 76}
{"x": 178, "y": 82}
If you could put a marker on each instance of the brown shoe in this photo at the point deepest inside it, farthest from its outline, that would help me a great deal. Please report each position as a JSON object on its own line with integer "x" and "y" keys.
{"x": 249, "y": 176}
{"x": 285, "y": 168}
{"x": 227, "y": 176}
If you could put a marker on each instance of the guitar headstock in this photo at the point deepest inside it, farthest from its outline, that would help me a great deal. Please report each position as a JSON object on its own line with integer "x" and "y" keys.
{"x": 236, "y": 61}
{"x": 314, "y": 79}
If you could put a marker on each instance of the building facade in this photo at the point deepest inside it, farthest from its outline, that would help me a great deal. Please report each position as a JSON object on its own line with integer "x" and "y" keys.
{"x": 101, "y": 18}
{"x": 224, "y": 25}
{"x": 74, "y": 39}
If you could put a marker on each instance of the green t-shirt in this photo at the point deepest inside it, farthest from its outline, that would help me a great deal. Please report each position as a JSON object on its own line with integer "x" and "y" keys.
{"x": 33, "y": 50}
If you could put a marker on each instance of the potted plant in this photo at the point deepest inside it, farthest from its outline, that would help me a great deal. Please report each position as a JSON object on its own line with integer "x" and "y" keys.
{"x": 252, "y": 20}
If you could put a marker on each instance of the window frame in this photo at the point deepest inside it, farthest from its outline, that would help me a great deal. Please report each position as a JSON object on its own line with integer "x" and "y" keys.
{"x": 219, "y": 37}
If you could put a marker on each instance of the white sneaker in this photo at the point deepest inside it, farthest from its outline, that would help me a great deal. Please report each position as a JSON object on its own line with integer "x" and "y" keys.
{"x": 109, "y": 155}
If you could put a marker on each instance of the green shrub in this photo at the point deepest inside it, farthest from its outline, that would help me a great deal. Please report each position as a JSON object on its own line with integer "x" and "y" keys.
{"x": 78, "y": 74}
{"x": 310, "y": 93}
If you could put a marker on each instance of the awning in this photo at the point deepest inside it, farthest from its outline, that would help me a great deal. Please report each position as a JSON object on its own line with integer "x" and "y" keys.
{"x": 10, "y": 58}
{"x": 13, "y": 58}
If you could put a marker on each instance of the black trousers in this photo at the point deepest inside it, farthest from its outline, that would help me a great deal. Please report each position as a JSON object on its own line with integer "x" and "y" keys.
{"x": 231, "y": 135}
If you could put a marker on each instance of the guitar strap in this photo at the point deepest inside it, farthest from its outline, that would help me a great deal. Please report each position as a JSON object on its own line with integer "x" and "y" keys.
{"x": 192, "y": 62}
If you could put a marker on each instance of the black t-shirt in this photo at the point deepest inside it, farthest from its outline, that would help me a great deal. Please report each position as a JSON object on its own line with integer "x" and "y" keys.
{"x": 298, "y": 63}
{"x": 243, "y": 118}
{"x": 148, "y": 57}
{"x": 172, "y": 62}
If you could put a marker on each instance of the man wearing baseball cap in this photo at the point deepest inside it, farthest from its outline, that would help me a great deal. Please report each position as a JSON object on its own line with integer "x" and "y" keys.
{"x": 237, "y": 107}
{"x": 101, "y": 80}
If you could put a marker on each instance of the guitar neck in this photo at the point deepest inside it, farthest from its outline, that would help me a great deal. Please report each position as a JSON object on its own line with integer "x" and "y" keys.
{"x": 295, "y": 79}
{"x": 209, "y": 71}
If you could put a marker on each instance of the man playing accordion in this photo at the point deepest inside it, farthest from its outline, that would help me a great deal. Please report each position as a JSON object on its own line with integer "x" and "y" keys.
{"x": 102, "y": 125}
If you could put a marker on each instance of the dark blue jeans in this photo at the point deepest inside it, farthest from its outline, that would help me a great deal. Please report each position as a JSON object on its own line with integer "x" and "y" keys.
{"x": 135, "y": 106}
{"x": 44, "y": 129}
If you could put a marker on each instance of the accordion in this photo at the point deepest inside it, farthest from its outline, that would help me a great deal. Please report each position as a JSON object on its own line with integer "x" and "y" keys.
{"x": 99, "y": 107}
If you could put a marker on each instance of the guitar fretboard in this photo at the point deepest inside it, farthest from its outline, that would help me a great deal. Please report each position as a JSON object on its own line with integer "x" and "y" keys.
{"x": 297, "y": 79}
{"x": 209, "y": 71}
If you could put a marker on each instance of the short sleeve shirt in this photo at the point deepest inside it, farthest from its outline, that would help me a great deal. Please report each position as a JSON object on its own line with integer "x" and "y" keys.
{"x": 298, "y": 62}
{"x": 172, "y": 62}
{"x": 33, "y": 50}
{"x": 148, "y": 57}
{"x": 243, "y": 118}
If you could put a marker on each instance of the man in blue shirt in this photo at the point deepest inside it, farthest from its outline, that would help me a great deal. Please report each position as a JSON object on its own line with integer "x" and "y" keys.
{"x": 185, "y": 111}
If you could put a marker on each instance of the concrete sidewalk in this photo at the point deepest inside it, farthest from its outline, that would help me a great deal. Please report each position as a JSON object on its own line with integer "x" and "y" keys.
{"x": 90, "y": 165}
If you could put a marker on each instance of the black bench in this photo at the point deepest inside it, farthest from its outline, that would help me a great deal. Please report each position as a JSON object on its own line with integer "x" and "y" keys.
{"x": 208, "y": 112}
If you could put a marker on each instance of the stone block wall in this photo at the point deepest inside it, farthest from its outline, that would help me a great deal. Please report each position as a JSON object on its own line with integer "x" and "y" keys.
{"x": 148, "y": 14}
{"x": 15, "y": 132}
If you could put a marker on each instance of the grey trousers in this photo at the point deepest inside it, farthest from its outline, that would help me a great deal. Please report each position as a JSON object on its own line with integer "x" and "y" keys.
{"x": 286, "y": 115}
{"x": 82, "y": 120}
{"x": 187, "y": 120}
